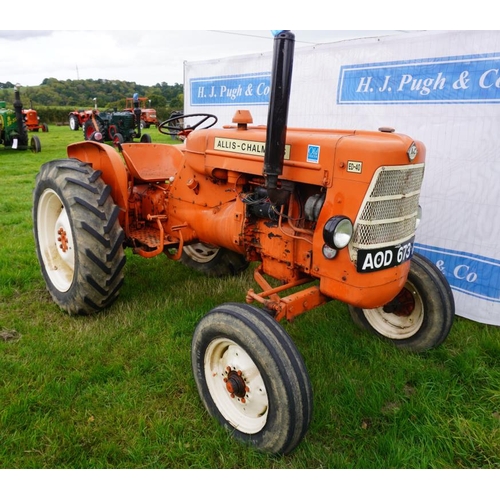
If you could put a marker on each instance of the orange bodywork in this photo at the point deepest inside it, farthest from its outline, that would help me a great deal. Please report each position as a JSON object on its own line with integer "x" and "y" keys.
{"x": 200, "y": 191}
{"x": 32, "y": 120}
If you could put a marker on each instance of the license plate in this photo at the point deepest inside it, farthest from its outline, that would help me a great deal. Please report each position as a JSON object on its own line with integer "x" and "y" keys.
{"x": 384, "y": 258}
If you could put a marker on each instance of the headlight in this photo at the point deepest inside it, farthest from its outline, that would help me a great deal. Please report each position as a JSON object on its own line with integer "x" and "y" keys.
{"x": 337, "y": 232}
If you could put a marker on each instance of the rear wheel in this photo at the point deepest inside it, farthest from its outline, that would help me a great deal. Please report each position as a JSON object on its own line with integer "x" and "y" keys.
{"x": 93, "y": 132}
{"x": 78, "y": 236}
{"x": 420, "y": 317}
{"x": 212, "y": 260}
{"x": 251, "y": 377}
{"x": 74, "y": 124}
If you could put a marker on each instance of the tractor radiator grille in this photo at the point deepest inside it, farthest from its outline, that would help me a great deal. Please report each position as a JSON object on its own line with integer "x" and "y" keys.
{"x": 389, "y": 211}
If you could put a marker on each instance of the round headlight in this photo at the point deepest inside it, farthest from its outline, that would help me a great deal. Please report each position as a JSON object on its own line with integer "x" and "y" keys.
{"x": 337, "y": 232}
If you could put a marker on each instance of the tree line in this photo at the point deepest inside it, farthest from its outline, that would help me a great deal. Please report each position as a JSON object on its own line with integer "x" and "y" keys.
{"x": 87, "y": 94}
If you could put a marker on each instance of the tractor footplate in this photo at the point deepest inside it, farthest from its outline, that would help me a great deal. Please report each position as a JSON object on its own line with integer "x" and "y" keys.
{"x": 156, "y": 241}
{"x": 148, "y": 236}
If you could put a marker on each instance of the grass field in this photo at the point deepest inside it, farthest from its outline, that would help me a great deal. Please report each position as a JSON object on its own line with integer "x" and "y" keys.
{"x": 116, "y": 390}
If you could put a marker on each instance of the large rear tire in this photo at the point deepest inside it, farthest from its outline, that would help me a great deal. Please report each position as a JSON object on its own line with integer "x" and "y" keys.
{"x": 251, "y": 377}
{"x": 212, "y": 260}
{"x": 78, "y": 236}
{"x": 420, "y": 317}
{"x": 94, "y": 131}
{"x": 74, "y": 123}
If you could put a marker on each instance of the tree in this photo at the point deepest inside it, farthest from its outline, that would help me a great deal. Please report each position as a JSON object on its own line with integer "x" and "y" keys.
{"x": 109, "y": 93}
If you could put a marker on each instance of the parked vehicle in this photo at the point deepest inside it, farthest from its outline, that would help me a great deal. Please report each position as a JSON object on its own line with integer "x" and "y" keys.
{"x": 33, "y": 122}
{"x": 114, "y": 126}
{"x": 76, "y": 119}
{"x": 148, "y": 114}
{"x": 322, "y": 214}
{"x": 13, "y": 129}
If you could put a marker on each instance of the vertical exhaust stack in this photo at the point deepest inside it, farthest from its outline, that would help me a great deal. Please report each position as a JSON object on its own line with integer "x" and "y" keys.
{"x": 281, "y": 79}
{"x": 18, "y": 108}
{"x": 137, "y": 113}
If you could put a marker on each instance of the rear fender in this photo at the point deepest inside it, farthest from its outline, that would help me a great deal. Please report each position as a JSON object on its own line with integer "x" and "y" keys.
{"x": 106, "y": 159}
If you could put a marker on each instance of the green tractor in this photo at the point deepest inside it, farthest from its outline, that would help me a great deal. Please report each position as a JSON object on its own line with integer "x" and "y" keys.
{"x": 115, "y": 126}
{"x": 13, "y": 129}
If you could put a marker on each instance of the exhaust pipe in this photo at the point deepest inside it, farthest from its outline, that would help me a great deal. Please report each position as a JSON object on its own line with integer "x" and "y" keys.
{"x": 281, "y": 79}
{"x": 137, "y": 114}
{"x": 18, "y": 108}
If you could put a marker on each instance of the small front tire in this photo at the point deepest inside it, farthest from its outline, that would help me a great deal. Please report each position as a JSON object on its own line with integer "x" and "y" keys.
{"x": 420, "y": 317}
{"x": 35, "y": 144}
{"x": 251, "y": 377}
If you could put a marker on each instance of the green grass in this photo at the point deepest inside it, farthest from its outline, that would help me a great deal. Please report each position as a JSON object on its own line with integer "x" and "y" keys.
{"x": 116, "y": 390}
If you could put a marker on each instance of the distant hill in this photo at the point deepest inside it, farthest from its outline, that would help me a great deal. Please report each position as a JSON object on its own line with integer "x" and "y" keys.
{"x": 81, "y": 93}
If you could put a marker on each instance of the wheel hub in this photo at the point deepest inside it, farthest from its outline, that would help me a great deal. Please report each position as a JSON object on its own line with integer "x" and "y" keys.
{"x": 235, "y": 384}
{"x": 62, "y": 239}
{"x": 402, "y": 305}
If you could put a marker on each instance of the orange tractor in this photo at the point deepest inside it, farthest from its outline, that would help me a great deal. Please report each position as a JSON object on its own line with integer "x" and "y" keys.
{"x": 340, "y": 227}
{"x": 32, "y": 121}
{"x": 148, "y": 115}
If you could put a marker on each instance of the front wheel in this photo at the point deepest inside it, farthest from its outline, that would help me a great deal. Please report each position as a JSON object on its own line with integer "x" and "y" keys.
{"x": 420, "y": 317}
{"x": 78, "y": 237}
{"x": 35, "y": 144}
{"x": 251, "y": 377}
{"x": 118, "y": 139}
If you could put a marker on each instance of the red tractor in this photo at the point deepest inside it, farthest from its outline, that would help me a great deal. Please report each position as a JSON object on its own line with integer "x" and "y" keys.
{"x": 341, "y": 227}
{"x": 77, "y": 118}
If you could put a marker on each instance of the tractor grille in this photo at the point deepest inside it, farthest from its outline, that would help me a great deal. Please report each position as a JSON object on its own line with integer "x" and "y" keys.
{"x": 389, "y": 211}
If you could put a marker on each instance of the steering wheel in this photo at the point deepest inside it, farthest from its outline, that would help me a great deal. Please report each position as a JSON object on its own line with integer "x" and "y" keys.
{"x": 174, "y": 126}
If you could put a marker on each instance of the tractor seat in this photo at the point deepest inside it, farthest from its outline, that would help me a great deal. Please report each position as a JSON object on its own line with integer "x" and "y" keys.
{"x": 152, "y": 162}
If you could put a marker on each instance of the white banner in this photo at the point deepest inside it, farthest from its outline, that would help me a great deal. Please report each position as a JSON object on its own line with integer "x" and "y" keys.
{"x": 442, "y": 88}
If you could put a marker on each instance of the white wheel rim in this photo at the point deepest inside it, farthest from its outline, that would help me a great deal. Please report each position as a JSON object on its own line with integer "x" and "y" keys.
{"x": 201, "y": 252}
{"x": 394, "y": 326}
{"x": 226, "y": 362}
{"x": 55, "y": 239}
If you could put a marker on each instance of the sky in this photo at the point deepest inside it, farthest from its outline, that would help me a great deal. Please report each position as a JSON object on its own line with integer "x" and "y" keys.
{"x": 145, "y": 57}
